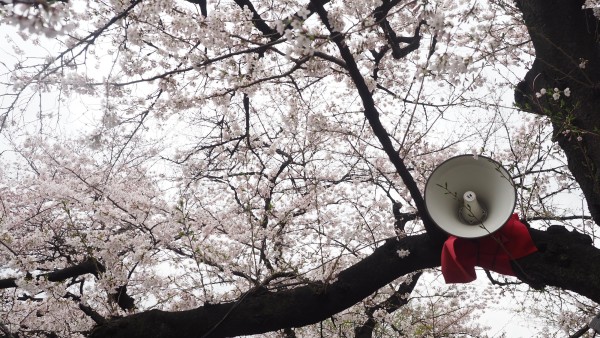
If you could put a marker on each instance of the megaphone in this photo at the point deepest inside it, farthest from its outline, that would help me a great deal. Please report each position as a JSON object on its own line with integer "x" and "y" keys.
{"x": 470, "y": 196}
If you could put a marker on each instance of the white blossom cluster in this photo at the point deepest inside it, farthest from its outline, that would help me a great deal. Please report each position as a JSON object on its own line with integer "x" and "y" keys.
{"x": 49, "y": 19}
{"x": 594, "y": 5}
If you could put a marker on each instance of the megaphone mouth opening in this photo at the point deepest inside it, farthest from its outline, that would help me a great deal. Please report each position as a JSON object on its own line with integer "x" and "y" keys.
{"x": 480, "y": 180}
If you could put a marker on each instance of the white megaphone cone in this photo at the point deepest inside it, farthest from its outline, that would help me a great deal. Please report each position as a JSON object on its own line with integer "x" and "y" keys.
{"x": 470, "y": 197}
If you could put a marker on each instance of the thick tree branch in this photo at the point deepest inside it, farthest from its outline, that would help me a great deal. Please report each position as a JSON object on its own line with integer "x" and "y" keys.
{"x": 96, "y": 317}
{"x": 270, "y": 311}
{"x": 89, "y": 265}
{"x": 394, "y": 41}
{"x": 556, "y": 264}
{"x": 258, "y": 22}
{"x": 559, "y": 262}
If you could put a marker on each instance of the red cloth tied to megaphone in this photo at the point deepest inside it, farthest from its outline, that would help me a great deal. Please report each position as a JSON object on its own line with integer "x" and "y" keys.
{"x": 493, "y": 252}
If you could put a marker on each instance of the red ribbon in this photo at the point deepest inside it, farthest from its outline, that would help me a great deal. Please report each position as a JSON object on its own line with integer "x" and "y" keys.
{"x": 461, "y": 255}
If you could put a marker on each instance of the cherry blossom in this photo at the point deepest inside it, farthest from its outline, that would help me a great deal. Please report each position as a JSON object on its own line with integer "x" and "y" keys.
{"x": 207, "y": 156}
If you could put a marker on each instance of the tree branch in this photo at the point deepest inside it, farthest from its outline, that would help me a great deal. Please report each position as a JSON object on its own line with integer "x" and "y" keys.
{"x": 556, "y": 264}
{"x": 372, "y": 116}
{"x": 270, "y": 311}
{"x": 393, "y": 303}
{"x": 258, "y": 22}
{"x": 89, "y": 265}
{"x": 559, "y": 262}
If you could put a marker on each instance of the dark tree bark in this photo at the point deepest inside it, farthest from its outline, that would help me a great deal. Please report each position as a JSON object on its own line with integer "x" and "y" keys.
{"x": 90, "y": 265}
{"x": 565, "y": 39}
{"x": 566, "y": 260}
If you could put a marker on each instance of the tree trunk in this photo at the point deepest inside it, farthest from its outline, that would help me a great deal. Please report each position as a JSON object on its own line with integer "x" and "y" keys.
{"x": 565, "y": 38}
